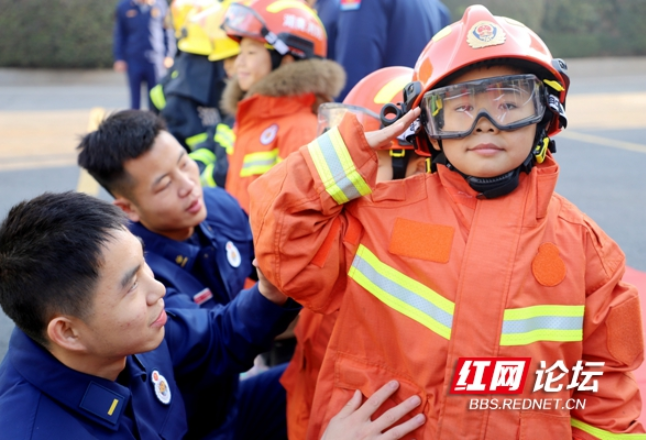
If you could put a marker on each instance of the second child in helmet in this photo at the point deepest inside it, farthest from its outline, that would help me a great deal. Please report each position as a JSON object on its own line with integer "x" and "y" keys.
{"x": 280, "y": 79}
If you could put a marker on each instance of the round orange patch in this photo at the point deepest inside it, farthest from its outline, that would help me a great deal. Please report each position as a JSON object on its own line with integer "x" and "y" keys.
{"x": 547, "y": 267}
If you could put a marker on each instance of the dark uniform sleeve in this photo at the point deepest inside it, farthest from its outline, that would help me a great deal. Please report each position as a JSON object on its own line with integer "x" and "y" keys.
{"x": 119, "y": 36}
{"x": 227, "y": 339}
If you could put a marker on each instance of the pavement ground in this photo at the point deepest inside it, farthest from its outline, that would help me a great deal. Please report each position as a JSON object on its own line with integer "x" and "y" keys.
{"x": 602, "y": 153}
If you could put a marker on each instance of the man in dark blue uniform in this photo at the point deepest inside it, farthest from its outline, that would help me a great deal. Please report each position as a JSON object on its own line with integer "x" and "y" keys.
{"x": 198, "y": 241}
{"x": 364, "y": 36}
{"x": 143, "y": 44}
{"x": 95, "y": 354}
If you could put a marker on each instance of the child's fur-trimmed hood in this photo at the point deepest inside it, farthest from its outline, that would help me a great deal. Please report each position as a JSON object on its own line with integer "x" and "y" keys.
{"x": 324, "y": 78}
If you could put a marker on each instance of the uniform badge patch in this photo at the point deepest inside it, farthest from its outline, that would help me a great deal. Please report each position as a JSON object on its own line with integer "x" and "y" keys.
{"x": 202, "y": 296}
{"x": 233, "y": 254}
{"x": 268, "y": 136}
{"x": 548, "y": 267}
{"x": 131, "y": 13}
{"x": 162, "y": 389}
{"x": 350, "y": 5}
{"x": 485, "y": 33}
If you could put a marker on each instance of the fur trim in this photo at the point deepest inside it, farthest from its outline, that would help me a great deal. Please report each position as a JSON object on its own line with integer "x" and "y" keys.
{"x": 324, "y": 78}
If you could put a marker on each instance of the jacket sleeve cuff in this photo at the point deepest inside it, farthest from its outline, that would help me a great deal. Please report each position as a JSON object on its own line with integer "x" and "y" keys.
{"x": 261, "y": 318}
{"x": 344, "y": 165}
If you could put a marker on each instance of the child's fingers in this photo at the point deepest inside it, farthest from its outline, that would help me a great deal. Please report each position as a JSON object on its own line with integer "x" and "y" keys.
{"x": 382, "y": 137}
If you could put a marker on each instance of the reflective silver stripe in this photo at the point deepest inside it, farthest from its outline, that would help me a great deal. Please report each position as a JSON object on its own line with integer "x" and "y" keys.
{"x": 403, "y": 294}
{"x": 543, "y": 322}
{"x": 336, "y": 168}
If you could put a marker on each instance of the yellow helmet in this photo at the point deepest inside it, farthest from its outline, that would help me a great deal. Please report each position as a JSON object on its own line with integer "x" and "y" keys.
{"x": 179, "y": 10}
{"x": 222, "y": 46}
{"x": 194, "y": 38}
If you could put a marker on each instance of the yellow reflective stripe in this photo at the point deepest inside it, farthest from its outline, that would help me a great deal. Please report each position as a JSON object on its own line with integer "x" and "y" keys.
{"x": 544, "y": 310}
{"x": 335, "y": 168}
{"x": 542, "y": 323}
{"x": 203, "y": 155}
{"x": 225, "y": 137}
{"x": 259, "y": 163}
{"x": 348, "y": 166}
{"x": 192, "y": 141}
{"x": 206, "y": 178}
{"x": 157, "y": 97}
{"x": 604, "y": 435}
{"x": 325, "y": 174}
{"x": 402, "y": 293}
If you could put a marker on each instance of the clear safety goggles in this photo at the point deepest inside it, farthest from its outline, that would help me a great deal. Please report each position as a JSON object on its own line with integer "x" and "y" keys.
{"x": 331, "y": 114}
{"x": 243, "y": 21}
{"x": 509, "y": 102}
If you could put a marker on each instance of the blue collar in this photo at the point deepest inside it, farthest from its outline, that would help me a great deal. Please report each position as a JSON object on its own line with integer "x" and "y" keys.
{"x": 183, "y": 253}
{"x": 100, "y": 400}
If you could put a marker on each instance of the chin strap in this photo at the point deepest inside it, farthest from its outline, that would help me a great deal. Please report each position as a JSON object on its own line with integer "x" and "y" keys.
{"x": 492, "y": 187}
{"x": 400, "y": 163}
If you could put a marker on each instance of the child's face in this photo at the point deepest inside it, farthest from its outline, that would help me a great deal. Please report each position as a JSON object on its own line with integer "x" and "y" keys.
{"x": 252, "y": 64}
{"x": 488, "y": 151}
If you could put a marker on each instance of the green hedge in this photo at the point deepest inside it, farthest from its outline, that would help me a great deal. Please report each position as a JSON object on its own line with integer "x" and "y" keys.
{"x": 56, "y": 33}
{"x": 78, "y": 33}
{"x": 576, "y": 28}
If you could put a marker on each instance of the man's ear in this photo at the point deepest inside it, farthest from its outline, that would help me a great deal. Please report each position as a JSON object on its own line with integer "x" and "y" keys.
{"x": 287, "y": 59}
{"x": 62, "y": 331}
{"x": 128, "y": 207}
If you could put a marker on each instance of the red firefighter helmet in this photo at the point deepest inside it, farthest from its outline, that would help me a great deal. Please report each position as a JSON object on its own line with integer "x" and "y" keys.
{"x": 289, "y": 26}
{"x": 481, "y": 38}
{"x": 366, "y": 100}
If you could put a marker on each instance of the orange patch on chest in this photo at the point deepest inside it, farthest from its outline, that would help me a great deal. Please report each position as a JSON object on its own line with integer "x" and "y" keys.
{"x": 421, "y": 240}
{"x": 548, "y": 267}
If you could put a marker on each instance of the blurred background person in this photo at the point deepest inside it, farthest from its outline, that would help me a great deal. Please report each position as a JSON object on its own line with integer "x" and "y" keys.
{"x": 364, "y": 36}
{"x": 188, "y": 96}
{"x": 143, "y": 44}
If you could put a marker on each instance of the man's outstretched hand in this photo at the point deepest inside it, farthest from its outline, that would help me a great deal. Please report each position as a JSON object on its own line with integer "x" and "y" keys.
{"x": 353, "y": 421}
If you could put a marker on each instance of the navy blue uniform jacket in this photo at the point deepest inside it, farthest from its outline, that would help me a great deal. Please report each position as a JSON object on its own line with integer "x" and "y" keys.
{"x": 40, "y": 398}
{"x": 141, "y": 36}
{"x": 372, "y": 34}
{"x": 221, "y": 264}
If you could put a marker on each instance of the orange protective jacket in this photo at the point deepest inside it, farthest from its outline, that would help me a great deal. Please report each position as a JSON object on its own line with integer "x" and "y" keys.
{"x": 275, "y": 117}
{"x": 425, "y": 273}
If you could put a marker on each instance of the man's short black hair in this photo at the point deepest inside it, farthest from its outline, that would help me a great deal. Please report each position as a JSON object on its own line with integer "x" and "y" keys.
{"x": 122, "y": 136}
{"x": 50, "y": 256}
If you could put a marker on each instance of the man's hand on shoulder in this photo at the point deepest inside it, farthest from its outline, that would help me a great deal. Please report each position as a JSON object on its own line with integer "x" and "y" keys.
{"x": 267, "y": 289}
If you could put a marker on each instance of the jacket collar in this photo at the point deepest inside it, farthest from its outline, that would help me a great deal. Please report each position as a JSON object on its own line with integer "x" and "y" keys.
{"x": 183, "y": 253}
{"x": 99, "y": 400}
{"x": 542, "y": 181}
{"x": 322, "y": 78}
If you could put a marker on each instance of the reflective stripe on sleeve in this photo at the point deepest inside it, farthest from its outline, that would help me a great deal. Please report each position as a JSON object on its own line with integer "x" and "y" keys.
{"x": 203, "y": 155}
{"x": 206, "y": 178}
{"x": 192, "y": 141}
{"x": 542, "y": 323}
{"x": 604, "y": 435}
{"x": 402, "y": 293}
{"x": 259, "y": 163}
{"x": 157, "y": 97}
{"x": 335, "y": 168}
{"x": 225, "y": 137}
